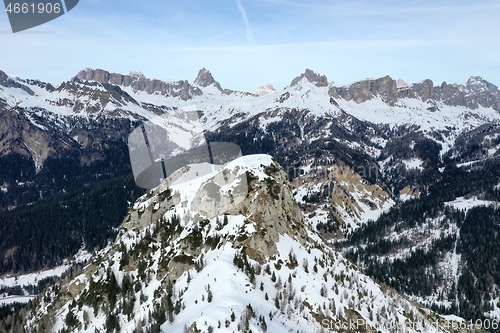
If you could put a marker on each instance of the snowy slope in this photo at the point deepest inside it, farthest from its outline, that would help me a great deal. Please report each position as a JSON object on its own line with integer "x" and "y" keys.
{"x": 186, "y": 262}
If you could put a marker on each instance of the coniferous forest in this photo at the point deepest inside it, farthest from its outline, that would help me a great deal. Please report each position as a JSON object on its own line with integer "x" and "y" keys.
{"x": 417, "y": 273}
{"x": 65, "y": 207}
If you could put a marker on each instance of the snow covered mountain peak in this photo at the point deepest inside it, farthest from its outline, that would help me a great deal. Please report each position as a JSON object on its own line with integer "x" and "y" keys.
{"x": 266, "y": 89}
{"x": 401, "y": 83}
{"x": 256, "y": 267}
{"x": 478, "y": 83}
{"x": 137, "y": 74}
{"x": 205, "y": 79}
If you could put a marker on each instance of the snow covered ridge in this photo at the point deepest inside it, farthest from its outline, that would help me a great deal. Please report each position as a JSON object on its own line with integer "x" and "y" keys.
{"x": 96, "y": 93}
{"x": 178, "y": 265}
{"x": 96, "y": 90}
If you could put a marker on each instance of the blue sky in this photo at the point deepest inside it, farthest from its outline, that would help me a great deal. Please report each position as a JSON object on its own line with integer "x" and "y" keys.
{"x": 248, "y": 43}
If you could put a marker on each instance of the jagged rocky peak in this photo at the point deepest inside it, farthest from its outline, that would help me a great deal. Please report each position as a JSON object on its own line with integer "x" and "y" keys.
{"x": 5, "y": 80}
{"x": 481, "y": 92}
{"x": 477, "y": 83}
{"x": 476, "y": 92}
{"x": 311, "y": 76}
{"x": 205, "y": 79}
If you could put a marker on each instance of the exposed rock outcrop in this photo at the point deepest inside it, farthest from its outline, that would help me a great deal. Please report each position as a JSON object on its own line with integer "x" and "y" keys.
{"x": 205, "y": 79}
{"x": 3, "y": 76}
{"x": 181, "y": 89}
{"x": 363, "y": 91}
{"x": 7, "y": 82}
{"x": 309, "y": 75}
{"x": 476, "y": 92}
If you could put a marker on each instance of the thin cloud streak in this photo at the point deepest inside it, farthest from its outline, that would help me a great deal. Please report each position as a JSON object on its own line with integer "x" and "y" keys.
{"x": 249, "y": 35}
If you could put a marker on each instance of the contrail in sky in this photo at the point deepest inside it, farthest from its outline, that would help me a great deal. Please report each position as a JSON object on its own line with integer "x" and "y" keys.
{"x": 249, "y": 36}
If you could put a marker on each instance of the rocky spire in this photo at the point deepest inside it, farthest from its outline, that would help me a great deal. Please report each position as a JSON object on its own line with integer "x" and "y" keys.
{"x": 318, "y": 80}
{"x": 205, "y": 79}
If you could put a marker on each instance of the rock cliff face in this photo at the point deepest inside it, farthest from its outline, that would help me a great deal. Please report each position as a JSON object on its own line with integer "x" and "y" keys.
{"x": 180, "y": 89}
{"x": 19, "y": 136}
{"x": 7, "y": 82}
{"x": 476, "y": 92}
{"x": 363, "y": 91}
{"x": 482, "y": 92}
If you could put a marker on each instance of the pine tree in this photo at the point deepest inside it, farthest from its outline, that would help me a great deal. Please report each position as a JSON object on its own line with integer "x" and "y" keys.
{"x": 233, "y": 316}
